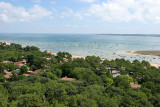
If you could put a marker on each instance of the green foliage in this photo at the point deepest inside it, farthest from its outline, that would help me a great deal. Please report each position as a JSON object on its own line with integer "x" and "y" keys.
{"x": 91, "y": 78}
{"x": 66, "y": 69}
{"x": 94, "y": 85}
{"x": 31, "y": 48}
{"x": 108, "y": 82}
{"x": 90, "y": 103}
{"x": 61, "y": 55}
{"x": 51, "y": 75}
{"x": 78, "y": 72}
{"x": 29, "y": 100}
{"x": 24, "y": 69}
{"x": 2, "y": 78}
{"x": 93, "y": 61}
{"x": 58, "y": 72}
{"x": 80, "y": 62}
{"x": 123, "y": 81}
{"x": 3, "y": 96}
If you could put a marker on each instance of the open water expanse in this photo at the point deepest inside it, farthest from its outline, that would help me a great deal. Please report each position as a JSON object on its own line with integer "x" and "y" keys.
{"x": 105, "y": 46}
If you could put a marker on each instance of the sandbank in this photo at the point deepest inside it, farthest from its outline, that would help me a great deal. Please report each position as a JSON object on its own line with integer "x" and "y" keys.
{"x": 142, "y": 53}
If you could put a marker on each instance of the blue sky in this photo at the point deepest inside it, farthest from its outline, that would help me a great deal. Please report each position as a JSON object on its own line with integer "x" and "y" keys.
{"x": 80, "y": 16}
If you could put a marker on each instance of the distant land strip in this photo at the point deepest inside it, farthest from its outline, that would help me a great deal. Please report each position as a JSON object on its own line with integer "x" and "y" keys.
{"x": 143, "y": 52}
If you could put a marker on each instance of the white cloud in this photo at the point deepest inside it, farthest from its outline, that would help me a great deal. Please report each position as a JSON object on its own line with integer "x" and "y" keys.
{"x": 10, "y": 13}
{"x": 70, "y": 26}
{"x": 127, "y": 10}
{"x": 70, "y": 13}
{"x": 89, "y": 1}
{"x": 36, "y": 1}
{"x": 51, "y": 17}
{"x": 53, "y": 2}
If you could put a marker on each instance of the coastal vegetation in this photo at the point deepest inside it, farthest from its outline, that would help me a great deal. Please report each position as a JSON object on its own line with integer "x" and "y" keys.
{"x": 32, "y": 78}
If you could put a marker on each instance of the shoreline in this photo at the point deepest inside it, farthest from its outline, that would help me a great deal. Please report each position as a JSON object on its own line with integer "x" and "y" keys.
{"x": 137, "y": 53}
{"x": 55, "y": 54}
{"x": 73, "y": 56}
{"x": 151, "y": 53}
{"x": 155, "y": 53}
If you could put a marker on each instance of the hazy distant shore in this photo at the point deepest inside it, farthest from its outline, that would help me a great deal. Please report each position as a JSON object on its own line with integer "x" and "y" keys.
{"x": 143, "y": 52}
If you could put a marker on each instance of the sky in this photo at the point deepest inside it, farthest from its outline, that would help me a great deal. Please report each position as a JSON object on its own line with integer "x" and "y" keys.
{"x": 80, "y": 16}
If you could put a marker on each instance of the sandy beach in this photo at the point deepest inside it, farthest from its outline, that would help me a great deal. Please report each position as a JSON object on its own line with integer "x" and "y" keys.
{"x": 142, "y": 53}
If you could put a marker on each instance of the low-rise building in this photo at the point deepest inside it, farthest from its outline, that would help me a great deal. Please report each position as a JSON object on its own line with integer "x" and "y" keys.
{"x": 19, "y": 64}
{"x": 133, "y": 85}
{"x": 115, "y": 73}
{"x": 35, "y": 72}
{"x": 8, "y": 75}
{"x": 67, "y": 79}
{"x": 27, "y": 75}
{"x": 49, "y": 52}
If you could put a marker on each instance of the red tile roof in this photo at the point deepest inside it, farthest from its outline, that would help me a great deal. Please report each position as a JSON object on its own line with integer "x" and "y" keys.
{"x": 24, "y": 61}
{"x": 68, "y": 79}
{"x": 18, "y": 63}
{"x": 133, "y": 85}
{"x": 8, "y": 75}
{"x": 49, "y": 52}
{"x": 26, "y": 75}
{"x": 35, "y": 72}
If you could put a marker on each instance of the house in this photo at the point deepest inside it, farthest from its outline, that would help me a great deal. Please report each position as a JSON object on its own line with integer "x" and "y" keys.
{"x": 5, "y": 71}
{"x": 23, "y": 62}
{"x": 111, "y": 68}
{"x": 133, "y": 85}
{"x": 7, "y": 62}
{"x": 19, "y": 64}
{"x": 49, "y": 52}
{"x": 30, "y": 71}
{"x": 67, "y": 79}
{"x": 48, "y": 58}
{"x": 35, "y": 72}
{"x": 27, "y": 75}
{"x": 65, "y": 59}
{"x": 8, "y": 75}
{"x": 115, "y": 73}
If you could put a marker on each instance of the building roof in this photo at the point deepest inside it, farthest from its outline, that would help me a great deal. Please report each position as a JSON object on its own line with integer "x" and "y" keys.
{"x": 68, "y": 79}
{"x": 8, "y": 75}
{"x": 7, "y": 62}
{"x": 6, "y": 71}
{"x": 49, "y": 51}
{"x": 21, "y": 64}
{"x": 115, "y": 71}
{"x": 133, "y": 85}
{"x": 18, "y": 63}
{"x": 30, "y": 71}
{"x": 26, "y": 75}
{"x": 65, "y": 59}
{"x": 35, "y": 72}
{"x": 24, "y": 61}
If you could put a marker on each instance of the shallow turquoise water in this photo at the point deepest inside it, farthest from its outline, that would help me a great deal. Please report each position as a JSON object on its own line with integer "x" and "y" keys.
{"x": 104, "y": 46}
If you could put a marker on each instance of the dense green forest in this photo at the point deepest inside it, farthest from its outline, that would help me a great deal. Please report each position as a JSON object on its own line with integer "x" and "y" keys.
{"x": 32, "y": 78}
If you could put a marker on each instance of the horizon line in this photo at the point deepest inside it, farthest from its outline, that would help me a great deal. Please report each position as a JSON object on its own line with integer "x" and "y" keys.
{"x": 93, "y": 33}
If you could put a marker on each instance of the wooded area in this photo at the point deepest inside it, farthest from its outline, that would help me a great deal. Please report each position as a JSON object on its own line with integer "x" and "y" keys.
{"x": 32, "y": 78}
